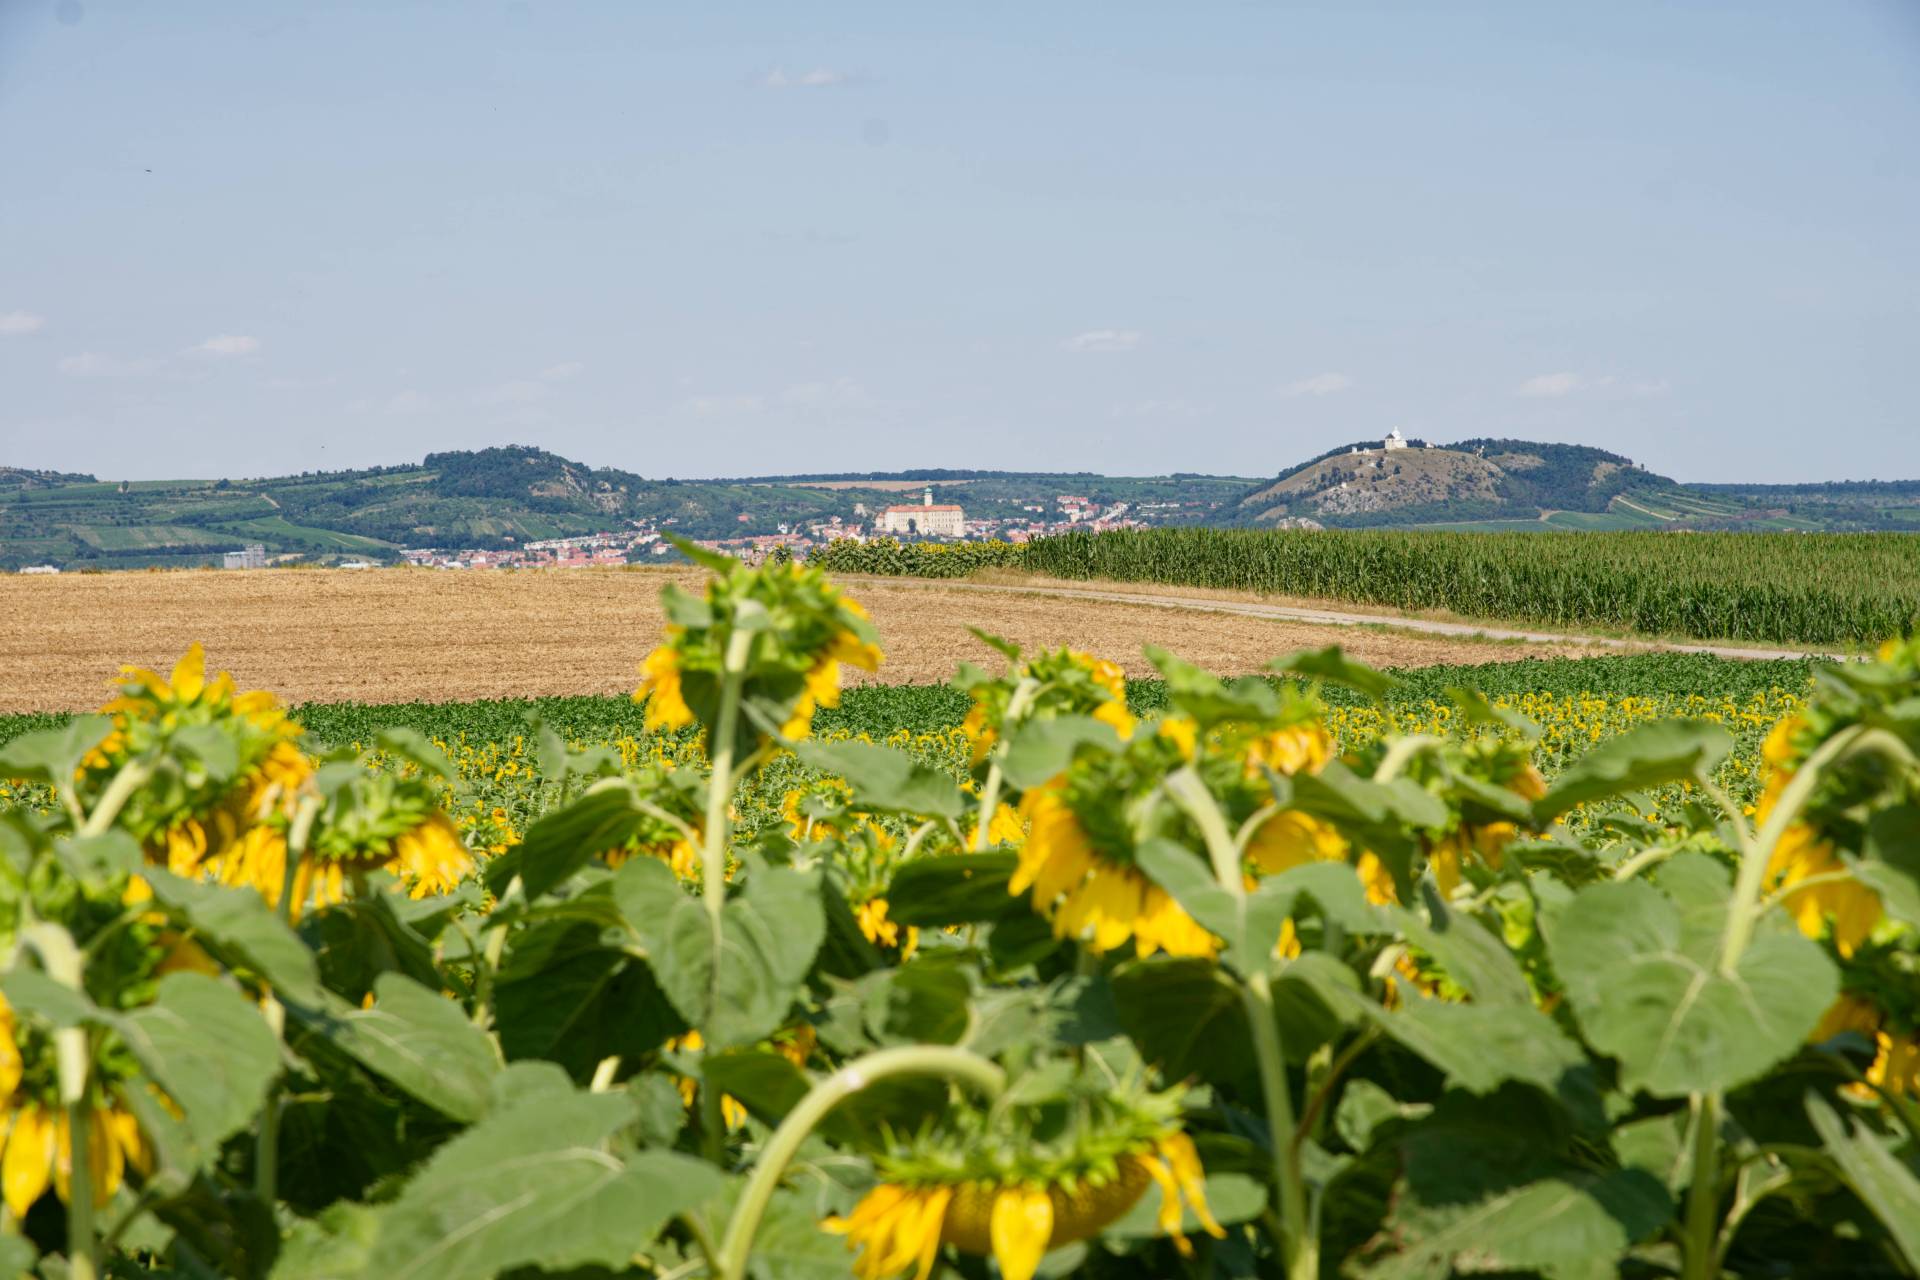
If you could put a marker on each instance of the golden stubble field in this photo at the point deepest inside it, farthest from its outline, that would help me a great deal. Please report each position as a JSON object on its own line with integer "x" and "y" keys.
{"x": 400, "y": 635}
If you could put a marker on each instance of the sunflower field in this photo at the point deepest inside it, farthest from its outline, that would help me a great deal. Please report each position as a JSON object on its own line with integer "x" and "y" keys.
{"x": 1288, "y": 977}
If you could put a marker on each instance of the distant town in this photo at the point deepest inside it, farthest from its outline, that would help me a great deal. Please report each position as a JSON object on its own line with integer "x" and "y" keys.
{"x": 642, "y": 540}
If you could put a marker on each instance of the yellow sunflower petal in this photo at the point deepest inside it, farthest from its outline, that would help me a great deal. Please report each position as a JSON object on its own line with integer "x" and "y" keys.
{"x": 28, "y": 1162}
{"x": 1021, "y": 1226}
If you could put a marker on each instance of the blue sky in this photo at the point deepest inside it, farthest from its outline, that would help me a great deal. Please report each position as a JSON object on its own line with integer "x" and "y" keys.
{"x": 723, "y": 239}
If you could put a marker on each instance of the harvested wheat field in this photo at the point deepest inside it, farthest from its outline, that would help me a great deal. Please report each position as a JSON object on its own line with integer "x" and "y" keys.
{"x": 407, "y": 634}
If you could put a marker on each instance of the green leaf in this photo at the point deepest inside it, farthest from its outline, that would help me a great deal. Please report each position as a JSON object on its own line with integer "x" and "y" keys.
{"x": 1647, "y": 990}
{"x": 32, "y": 991}
{"x": 1339, "y": 794}
{"x": 211, "y": 747}
{"x": 564, "y": 840}
{"x": 720, "y": 564}
{"x": 1332, "y": 665}
{"x": 335, "y": 1244}
{"x": 738, "y": 988}
{"x": 886, "y": 780}
{"x": 1891, "y": 865}
{"x": 1476, "y": 709}
{"x": 534, "y": 1184}
{"x": 1650, "y": 755}
{"x": 52, "y": 755}
{"x": 562, "y": 996}
{"x": 17, "y": 1256}
{"x": 1487, "y": 1188}
{"x": 1888, "y": 1187}
{"x": 416, "y": 748}
{"x": 926, "y": 1002}
{"x": 239, "y": 925}
{"x": 1040, "y": 750}
{"x": 107, "y": 856}
{"x": 1471, "y": 954}
{"x": 204, "y": 1044}
{"x": 420, "y": 1041}
{"x": 1481, "y": 1047}
{"x": 963, "y": 888}
{"x": 1186, "y": 1016}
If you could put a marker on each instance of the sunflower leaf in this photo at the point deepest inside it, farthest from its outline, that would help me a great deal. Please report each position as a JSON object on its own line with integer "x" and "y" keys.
{"x": 420, "y": 1042}
{"x": 204, "y": 1044}
{"x": 885, "y": 780}
{"x": 1877, "y": 1176}
{"x": 1643, "y": 979}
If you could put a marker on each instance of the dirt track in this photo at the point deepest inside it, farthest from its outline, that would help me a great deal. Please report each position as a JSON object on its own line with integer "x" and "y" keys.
{"x": 398, "y": 635}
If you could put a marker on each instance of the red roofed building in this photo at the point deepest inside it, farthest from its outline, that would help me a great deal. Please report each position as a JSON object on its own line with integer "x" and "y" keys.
{"x": 929, "y": 518}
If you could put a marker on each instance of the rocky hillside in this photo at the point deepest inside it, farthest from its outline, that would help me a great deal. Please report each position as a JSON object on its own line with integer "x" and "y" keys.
{"x": 1473, "y": 480}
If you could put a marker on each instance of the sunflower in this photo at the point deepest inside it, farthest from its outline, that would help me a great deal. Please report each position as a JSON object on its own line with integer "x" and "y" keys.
{"x": 795, "y": 1045}
{"x": 820, "y": 687}
{"x": 38, "y": 1139}
{"x": 189, "y": 821}
{"x": 898, "y": 1225}
{"x": 1804, "y": 852}
{"x": 1092, "y": 897}
{"x": 1004, "y": 829}
{"x": 1298, "y": 748}
{"x": 1067, "y": 682}
{"x": 1896, "y": 1061}
{"x": 882, "y": 932}
{"x": 660, "y": 685}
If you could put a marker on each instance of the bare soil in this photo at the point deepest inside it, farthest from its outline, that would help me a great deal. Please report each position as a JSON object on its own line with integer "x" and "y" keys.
{"x": 398, "y": 635}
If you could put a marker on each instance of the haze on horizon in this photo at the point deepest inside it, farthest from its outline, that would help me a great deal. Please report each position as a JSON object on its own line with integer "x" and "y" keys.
{"x": 693, "y": 241}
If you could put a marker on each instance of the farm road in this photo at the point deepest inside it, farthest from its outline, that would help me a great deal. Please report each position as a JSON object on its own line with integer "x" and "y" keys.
{"x": 1222, "y": 602}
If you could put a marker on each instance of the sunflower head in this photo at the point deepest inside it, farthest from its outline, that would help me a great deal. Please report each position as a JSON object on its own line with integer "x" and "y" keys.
{"x": 218, "y": 760}
{"x": 1016, "y": 1182}
{"x": 801, "y": 633}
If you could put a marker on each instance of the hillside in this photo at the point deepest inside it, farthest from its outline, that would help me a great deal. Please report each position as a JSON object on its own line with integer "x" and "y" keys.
{"x": 496, "y": 499}
{"x": 1487, "y": 483}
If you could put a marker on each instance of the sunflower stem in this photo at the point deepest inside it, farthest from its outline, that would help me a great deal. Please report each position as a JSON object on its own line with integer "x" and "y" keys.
{"x": 1023, "y": 695}
{"x": 1299, "y": 1249}
{"x": 131, "y": 777}
{"x": 1703, "y": 1191}
{"x": 934, "y": 1060}
{"x": 298, "y": 833}
{"x": 720, "y": 783}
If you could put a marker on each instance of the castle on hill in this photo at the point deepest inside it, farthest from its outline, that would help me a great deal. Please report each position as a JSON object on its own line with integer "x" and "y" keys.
{"x": 927, "y": 519}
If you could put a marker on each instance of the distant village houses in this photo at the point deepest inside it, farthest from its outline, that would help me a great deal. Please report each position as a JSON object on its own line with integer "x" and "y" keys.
{"x": 253, "y": 556}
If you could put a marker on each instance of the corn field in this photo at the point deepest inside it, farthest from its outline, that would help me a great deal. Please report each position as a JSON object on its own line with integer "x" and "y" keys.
{"x": 1837, "y": 589}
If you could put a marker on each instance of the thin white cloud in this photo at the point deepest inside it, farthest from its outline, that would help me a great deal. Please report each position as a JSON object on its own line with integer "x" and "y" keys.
{"x": 229, "y": 344}
{"x": 516, "y": 391}
{"x": 1105, "y": 340}
{"x": 818, "y": 78}
{"x": 1175, "y": 408}
{"x": 409, "y": 402}
{"x": 721, "y": 405}
{"x": 1320, "y": 384}
{"x": 561, "y": 372}
{"x": 15, "y": 323}
{"x": 1556, "y": 385}
{"x": 1553, "y": 385}
{"x": 95, "y": 364}
{"x": 836, "y": 393}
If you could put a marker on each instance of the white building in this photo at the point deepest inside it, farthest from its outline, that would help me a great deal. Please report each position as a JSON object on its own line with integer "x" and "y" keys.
{"x": 254, "y": 557}
{"x": 929, "y": 519}
{"x": 1395, "y": 440}
{"x": 40, "y": 568}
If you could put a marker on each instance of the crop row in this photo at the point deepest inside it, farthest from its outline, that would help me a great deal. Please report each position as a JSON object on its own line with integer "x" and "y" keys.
{"x": 1836, "y": 589}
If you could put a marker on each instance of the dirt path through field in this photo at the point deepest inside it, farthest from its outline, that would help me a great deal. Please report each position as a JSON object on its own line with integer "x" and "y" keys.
{"x": 1254, "y": 607}
{"x": 395, "y": 635}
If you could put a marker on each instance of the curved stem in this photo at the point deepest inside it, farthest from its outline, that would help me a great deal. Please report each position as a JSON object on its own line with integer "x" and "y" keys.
{"x": 1642, "y": 860}
{"x": 130, "y": 778}
{"x": 720, "y": 783}
{"x": 1299, "y": 1249}
{"x": 935, "y": 1060}
{"x": 1023, "y": 695}
{"x": 1402, "y": 753}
